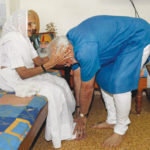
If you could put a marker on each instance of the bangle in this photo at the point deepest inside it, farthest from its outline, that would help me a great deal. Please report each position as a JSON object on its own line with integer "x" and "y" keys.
{"x": 77, "y": 106}
{"x": 43, "y": 68}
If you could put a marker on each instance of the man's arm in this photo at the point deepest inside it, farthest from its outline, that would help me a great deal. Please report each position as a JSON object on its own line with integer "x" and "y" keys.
{"x": 77, "y": 85}
{"x": 84, "y": 93}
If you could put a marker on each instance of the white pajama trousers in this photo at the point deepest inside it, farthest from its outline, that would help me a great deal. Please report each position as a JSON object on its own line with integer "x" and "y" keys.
{"x": 118, "y": 105}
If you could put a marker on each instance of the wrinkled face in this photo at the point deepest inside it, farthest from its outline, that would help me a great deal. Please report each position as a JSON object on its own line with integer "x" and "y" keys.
{"x": 31, "y": 24}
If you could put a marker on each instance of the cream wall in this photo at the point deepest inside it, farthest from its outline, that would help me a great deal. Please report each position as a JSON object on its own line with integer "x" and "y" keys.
{"x": 7, "y": 6}
{"x": 67, "y": 13}
{"x": 14, "y": 5}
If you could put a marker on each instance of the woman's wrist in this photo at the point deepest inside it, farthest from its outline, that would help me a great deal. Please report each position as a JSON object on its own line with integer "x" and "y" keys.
{"x": 43, "y": 68}
{"x": 47, "y": 66}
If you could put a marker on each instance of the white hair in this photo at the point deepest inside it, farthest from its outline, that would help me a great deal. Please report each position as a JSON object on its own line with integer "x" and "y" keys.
{"x": 56, "y": 44}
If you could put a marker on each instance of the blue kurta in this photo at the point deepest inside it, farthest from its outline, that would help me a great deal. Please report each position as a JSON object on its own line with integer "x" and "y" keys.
{"x": 110, "y": 47}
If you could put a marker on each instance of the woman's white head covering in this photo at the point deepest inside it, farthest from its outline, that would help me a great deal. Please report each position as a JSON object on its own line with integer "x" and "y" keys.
{"x": 17, "y": 22}
{"x": 16, "y": 29}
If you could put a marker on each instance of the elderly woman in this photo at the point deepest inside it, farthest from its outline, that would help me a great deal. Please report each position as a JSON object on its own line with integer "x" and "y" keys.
{"x": 21, "y": 70}
{"x": 112, "y": 50}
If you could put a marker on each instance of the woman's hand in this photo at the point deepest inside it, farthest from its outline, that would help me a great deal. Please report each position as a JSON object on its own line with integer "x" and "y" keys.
{"x": 80, "y": 128}
{"x": 58, "y": 57}
{"x": 63, "y": 55}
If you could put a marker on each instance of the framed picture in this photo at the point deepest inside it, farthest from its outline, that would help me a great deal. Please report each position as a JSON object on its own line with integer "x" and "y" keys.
{"x": 40, "y": 42}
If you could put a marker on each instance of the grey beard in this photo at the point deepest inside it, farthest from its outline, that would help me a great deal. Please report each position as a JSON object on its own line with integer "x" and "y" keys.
{"x": 42, "y": 52}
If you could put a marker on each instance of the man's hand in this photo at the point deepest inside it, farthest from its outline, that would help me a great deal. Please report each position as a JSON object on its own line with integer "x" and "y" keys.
{"x": 77, "y": 111}
{"x": 80, "y": 127}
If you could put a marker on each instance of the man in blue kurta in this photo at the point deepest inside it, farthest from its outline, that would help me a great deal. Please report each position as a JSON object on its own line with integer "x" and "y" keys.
{"x": 112, "y": 50}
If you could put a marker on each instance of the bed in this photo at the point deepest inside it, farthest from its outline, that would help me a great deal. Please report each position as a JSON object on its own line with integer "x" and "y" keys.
{"x": 19, "y": 125}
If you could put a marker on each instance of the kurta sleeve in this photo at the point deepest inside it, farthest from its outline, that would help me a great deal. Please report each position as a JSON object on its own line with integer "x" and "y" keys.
{"x": 88, "y": 58}
{"x": 33, "y": 52}
{"x": 14, "y": 55}
{"x": 17, "y": 51}
{"x": 75, "y": 66}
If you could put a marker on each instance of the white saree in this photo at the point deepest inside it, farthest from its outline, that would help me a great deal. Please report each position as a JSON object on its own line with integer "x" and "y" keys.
{"x": 16, "y": 51}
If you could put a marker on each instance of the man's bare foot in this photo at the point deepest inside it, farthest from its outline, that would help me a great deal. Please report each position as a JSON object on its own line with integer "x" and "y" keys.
{"x": 103, "y": 125}
{"x": 113, "y": 141}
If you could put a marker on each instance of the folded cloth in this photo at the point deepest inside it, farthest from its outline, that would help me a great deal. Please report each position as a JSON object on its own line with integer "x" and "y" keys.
{"x": 27, "y": 89}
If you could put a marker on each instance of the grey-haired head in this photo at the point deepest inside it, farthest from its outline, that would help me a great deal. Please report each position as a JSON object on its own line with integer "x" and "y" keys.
{"x": 58, "y": 43}
{"x": 63, "y": 46}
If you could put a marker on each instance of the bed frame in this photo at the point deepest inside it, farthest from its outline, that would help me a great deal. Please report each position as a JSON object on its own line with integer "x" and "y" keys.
{"x": 27, "y": 142}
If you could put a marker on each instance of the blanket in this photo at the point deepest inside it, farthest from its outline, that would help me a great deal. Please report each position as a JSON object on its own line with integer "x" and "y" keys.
{"x": 16, "y": 121}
